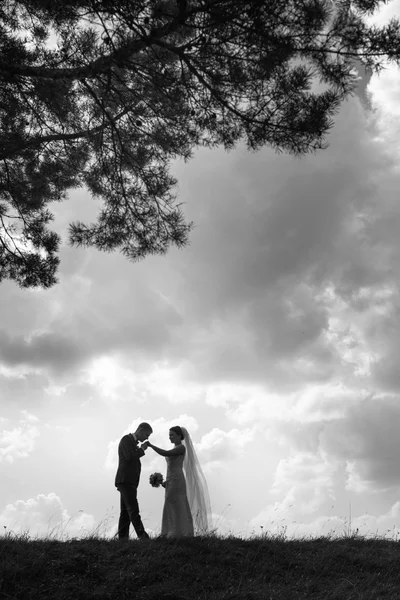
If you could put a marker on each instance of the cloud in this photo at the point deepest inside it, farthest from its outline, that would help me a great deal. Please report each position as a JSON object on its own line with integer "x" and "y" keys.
{"x": 305, "y": 480}
{"x": 219, "y": 447}
{"x": 286, "y": 264}
{"x": 18, "y": 442}
{"x": 20, "y": 389}
{"x": 277, "y": 257}
{"x": 270, "y": 521}
{"x": 115, "y": 380}
{"x": 357, "y": 441}
{"x": 80, "y": 324}
{"x": 48, "y": 350}
{"x": 367, "y": 440}
{"x": 45, "y": 516}
{"x": 28, "y": 417}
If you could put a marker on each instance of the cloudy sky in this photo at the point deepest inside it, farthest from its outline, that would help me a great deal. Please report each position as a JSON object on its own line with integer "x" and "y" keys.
{"x": 274, "y": 338}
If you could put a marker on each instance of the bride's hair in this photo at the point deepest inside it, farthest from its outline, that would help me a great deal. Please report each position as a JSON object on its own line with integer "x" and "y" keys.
{"x": 178, "y": 430}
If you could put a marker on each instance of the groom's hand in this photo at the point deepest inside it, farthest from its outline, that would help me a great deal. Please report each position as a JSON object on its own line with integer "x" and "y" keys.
{"x": 145, "y": 445}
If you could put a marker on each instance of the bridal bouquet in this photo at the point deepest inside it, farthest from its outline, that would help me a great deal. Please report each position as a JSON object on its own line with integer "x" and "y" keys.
{"x": 156, "y": 479}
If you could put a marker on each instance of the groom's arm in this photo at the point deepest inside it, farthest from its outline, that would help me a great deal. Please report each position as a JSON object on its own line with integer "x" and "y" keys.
{"x": 127, "y": 450}
{"x": 174, "y": 452}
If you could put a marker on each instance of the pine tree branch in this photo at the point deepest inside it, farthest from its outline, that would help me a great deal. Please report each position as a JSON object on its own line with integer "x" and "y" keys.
{"x": 103, "y": 63}
{"x": 39, "y": 140}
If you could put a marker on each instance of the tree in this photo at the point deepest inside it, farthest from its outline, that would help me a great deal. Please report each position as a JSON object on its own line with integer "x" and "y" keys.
{"x": 104, "y": 93}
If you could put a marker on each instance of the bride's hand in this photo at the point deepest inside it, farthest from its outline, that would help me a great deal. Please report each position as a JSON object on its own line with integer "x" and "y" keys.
{"x": 145, "y": 445}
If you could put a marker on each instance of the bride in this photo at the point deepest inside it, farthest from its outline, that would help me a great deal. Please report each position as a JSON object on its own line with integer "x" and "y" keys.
{"x": 187, "y": 508}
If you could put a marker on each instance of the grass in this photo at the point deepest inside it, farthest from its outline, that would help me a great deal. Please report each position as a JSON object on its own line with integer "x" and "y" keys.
{"x": 200, "y": 568}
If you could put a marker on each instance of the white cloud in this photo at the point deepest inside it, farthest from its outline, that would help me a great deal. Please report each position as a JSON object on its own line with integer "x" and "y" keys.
{"x": 116, "y": 381}
{"x": 45, "y": 516}
{"x": 353, "y": 431}
{"x": 55, "y": 390}
{"x": 220, "y": 447}
{"x": 271, "y": 521}
{"x": 28, "y": 417}
{"x": 306, "y": 480}
{"x": 17, "y": 443}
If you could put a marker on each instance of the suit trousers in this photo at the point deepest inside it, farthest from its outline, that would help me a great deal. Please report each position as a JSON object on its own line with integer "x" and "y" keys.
{"x": 129, "y": 512}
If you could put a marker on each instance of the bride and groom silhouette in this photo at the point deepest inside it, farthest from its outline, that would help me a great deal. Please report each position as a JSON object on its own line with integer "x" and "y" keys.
{"x": 187, "y": 507}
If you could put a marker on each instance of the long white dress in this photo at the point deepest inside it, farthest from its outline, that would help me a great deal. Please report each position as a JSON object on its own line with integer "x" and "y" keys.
{"x": 177, "y": 519}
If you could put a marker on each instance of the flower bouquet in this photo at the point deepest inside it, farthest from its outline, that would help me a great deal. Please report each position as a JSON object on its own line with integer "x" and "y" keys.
{"x": 156, "y": 479}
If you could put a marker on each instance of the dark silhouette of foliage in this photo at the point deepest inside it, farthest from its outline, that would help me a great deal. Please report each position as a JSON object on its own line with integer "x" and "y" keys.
{"x": 104, "y": 93}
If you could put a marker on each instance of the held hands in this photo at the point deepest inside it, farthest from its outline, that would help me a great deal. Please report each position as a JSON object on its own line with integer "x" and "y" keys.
{"x": 145, "y": 445}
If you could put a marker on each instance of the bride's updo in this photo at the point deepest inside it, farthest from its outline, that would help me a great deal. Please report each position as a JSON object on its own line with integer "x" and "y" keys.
{"x": 178, "y": 430}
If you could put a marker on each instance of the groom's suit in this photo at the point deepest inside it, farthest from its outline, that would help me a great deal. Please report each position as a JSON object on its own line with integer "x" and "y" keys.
{"x": 127, "y": 481}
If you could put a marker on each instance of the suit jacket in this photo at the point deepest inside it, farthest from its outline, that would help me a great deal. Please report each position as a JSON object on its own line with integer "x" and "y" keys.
{"x": 129, "y": 466}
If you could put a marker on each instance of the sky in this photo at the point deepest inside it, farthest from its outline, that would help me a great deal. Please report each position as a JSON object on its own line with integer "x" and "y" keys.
{"x": 273, "y": 338}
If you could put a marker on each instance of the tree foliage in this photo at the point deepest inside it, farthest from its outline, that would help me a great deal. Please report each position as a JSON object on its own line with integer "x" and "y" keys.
{"x": 104, "y": 93}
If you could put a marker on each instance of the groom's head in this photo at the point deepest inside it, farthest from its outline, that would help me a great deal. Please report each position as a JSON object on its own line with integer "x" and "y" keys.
{"x": 143, "y": 431}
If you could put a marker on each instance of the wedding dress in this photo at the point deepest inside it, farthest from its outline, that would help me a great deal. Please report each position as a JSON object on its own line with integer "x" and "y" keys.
{"x": 176, "y": 519}
{"x": 187, "y": 508}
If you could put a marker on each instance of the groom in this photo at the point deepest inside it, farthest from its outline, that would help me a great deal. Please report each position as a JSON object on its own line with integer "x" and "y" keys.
{"x": 127, "y": 480}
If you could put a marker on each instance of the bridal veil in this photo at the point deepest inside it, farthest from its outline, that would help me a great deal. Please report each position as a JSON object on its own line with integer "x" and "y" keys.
{"x": 197, "y": 490}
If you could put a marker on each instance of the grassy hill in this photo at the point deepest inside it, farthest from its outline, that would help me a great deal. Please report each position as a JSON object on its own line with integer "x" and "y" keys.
{"x": 223, "y": 568}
